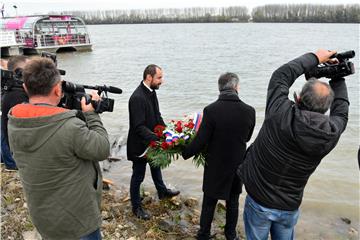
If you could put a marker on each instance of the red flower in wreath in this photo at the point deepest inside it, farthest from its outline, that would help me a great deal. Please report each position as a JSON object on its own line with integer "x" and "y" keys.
{"x": 158, "y": 130}
{"x": 189, "y": 125}
{"x": 152, "y": 144}
{"x": 164, "y": 145}
{"x": 178, "y": 127}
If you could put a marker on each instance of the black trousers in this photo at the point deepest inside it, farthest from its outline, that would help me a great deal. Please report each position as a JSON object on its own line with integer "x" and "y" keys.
{"x": 139, "y": 169}
{"x": 207, "y": 215}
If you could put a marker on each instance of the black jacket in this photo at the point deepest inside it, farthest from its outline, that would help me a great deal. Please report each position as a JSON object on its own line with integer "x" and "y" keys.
{"x": 8, "y": 100}
{"x": 144, "y": 116}
{"x": 291, "y": 141}
{"x": 227, "y": 125}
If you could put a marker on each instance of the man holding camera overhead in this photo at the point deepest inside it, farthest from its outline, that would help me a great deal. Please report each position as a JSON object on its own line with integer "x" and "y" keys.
{"x": 293, "y": 139}
{"x": 57, "y": 152}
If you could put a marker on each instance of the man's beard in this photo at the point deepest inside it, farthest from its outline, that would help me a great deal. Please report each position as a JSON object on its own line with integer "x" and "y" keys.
{"x": 154, "y": 86}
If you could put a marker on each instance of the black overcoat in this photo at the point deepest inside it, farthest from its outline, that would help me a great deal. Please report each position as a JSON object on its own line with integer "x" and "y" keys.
{"x": 227, "y": 125}
{"x": 144, "y": 115}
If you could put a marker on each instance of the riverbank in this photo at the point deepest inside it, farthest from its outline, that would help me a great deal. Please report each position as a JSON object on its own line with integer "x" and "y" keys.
{"x": 176, "y": 218}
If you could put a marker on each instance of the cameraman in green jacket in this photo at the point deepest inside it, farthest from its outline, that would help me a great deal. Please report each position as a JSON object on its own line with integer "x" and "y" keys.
{"x": 57, "y": 152}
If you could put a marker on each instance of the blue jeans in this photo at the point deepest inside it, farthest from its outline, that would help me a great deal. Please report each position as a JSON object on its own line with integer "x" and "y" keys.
{"x": 93, "y": 236}
{"x": 6, "y": 156}
{"x": 260, "y": 221}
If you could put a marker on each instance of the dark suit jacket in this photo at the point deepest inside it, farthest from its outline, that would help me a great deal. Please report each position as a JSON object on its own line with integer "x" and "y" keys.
{"x": 144, "y": 116}
{"x": 227, "y": 125}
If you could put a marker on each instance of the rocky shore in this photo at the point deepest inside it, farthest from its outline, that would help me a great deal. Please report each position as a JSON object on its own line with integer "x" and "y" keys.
{"x": 176, "y": 218}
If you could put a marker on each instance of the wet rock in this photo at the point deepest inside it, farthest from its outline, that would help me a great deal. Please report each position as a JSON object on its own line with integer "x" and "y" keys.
{"x": 195, "y": 220}
{"x": 346, "y": 220}
{"x": 191, "y": 202}
{"x": 175, "y": 202}
{"x": 221, "y": 208}
{"x": 166, "y": 225}
{"x": 127, "y": 198}
{"x": 121, "y": 226}
{"x": 105, "y": 215}
{"x": 353, "y": 232}
{"x": 131, "y": 225}
{"x": 183, "y": 224}
{"x": 196, "y": 212}
{"x": 120, "y": 194}
{"x": 151, "y": 234}
{"x": 31, "y": 235}
{"x": 11, "y": 207}
{"x": 147, "y": 200}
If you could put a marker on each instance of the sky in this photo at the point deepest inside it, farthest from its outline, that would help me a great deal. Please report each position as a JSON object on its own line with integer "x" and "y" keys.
{"x": 28, "y": 7}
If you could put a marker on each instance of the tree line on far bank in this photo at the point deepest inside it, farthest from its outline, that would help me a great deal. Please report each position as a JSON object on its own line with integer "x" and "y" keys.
{"x": 307, "y": 13}
{"x": 300, "y": 13}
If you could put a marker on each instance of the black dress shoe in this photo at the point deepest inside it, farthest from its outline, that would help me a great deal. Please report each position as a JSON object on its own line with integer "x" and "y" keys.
{"x": 168, "y": 194}
{"x": 141, "y": 213}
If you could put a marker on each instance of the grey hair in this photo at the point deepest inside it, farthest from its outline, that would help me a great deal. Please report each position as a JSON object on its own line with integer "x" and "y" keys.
{"x": 228, "y": 81}
{"x": 314, "y": 101}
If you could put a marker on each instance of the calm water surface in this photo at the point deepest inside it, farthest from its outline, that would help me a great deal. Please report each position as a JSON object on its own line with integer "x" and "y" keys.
{"x": 192, "y": 57}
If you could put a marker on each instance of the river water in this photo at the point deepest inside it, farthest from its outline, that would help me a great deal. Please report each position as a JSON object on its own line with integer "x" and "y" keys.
{"x": 192, "y": 57}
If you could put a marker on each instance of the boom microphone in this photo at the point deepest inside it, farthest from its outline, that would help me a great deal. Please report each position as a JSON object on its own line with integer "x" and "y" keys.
{"x": 104, "y": 88}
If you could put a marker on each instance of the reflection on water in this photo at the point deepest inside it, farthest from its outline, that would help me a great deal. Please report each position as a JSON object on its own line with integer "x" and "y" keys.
{"x": 192, "y": 57}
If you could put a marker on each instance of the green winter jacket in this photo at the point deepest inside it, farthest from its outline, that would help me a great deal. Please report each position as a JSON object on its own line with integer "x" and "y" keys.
{"x": 57, "y": 156}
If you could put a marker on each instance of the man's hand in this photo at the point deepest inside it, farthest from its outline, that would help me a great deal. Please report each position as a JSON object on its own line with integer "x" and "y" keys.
{"x": 89, "y": 107}
{"x": 324, "y": 55}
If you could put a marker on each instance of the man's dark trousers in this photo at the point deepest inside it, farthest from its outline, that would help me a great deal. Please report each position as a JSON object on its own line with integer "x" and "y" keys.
{"x": 139, "y": 169}
{"x": 207, "y": 215}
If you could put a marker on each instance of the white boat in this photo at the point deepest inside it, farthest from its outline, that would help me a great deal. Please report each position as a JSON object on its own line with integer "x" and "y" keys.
{"x": 51, "y": 33}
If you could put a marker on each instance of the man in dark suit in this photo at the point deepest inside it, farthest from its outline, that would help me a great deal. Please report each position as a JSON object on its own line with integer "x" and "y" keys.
{"x": 227, "y": 125}
{"x": 144, "y": 116}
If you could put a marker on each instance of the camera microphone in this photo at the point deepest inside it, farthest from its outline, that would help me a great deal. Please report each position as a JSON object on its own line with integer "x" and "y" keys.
{"x": 105, "y": 88}
{"x": 114, "y": 89}
{"x": 344, "y": 55}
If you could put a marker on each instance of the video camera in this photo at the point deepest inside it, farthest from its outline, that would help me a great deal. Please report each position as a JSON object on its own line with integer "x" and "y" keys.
{"x": 337, "y": 70}
{"x": 10, "y": 80}
{"x": 73, "y": 94}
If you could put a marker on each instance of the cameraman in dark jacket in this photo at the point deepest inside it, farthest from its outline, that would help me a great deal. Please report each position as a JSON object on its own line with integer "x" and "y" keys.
{"x": 291, "y": 143}
{"x": 14, "y": 95}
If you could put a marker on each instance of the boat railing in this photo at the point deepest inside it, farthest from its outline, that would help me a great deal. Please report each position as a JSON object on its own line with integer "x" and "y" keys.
{"x": 47, "y": 40}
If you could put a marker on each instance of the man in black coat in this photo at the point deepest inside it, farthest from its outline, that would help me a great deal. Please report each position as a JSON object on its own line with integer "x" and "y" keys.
{"x": 14, "y": 95}
{"x": 295, "y": 136}
{"x": 144, "y": 116}
{"x": 227, "y": 125}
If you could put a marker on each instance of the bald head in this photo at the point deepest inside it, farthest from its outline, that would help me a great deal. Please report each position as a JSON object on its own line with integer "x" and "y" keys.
{"x": 316, "y": 96}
